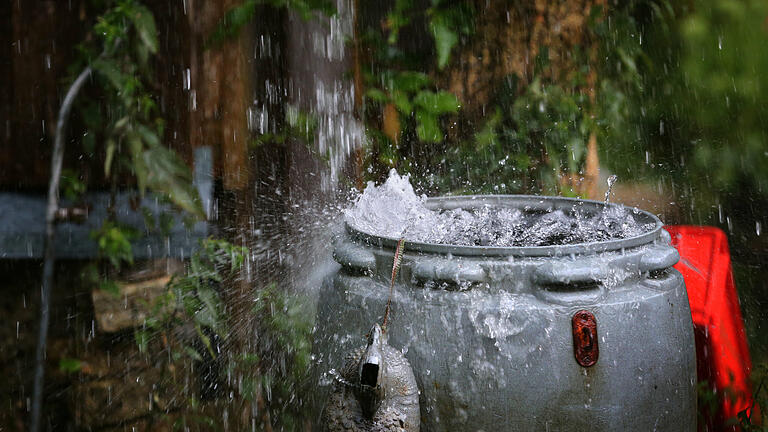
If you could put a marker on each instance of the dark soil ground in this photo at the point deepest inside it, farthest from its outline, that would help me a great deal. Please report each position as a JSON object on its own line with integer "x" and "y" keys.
{"x": 19, "y": 306}
{"x": 112, "y": 386}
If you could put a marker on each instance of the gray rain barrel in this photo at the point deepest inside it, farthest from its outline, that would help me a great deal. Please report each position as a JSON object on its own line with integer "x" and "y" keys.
{"x": 592, "y": 336}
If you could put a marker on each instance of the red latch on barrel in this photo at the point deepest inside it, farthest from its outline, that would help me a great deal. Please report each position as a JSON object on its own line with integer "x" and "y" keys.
{"x": 585, "y": 338}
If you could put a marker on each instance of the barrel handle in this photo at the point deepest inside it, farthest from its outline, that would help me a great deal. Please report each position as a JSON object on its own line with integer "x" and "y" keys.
{"x": 570, "y": 283}
{"x": 447, "y": 271}
{"x": 588, "y": 272}
{"x": 352, "y": 256}
{"x": 570, "y": 273}
{"x": 571, "y": 295}
{"x": 658, "y": 258}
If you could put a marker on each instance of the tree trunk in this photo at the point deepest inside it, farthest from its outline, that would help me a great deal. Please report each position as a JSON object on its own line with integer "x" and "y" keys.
{"x": 205, "y": 67}
{"x": 219, "y": 95}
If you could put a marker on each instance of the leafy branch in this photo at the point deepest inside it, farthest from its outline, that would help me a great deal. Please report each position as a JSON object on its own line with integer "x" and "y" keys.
{"x": 129, "y": 120}
{"x": 124, "y": 124}
{"x": 410, "y": 93}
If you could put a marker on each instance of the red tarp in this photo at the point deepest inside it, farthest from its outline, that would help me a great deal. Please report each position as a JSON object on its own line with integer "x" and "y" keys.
{"x": 721, "y": 343}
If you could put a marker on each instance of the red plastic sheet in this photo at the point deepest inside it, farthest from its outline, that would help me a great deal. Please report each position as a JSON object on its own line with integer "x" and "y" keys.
{"x": 721, "y": 344}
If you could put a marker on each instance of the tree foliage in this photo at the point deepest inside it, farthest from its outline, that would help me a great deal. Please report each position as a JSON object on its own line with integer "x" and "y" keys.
{"x": 528, "y": 142}
{"x": 697, "y": 119}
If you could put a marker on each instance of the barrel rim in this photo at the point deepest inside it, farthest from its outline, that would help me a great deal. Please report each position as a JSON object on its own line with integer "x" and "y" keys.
{"x": 532, "y": 202}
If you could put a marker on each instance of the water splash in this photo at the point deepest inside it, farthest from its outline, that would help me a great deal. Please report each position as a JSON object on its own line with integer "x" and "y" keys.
{"x": 394, "y": 210}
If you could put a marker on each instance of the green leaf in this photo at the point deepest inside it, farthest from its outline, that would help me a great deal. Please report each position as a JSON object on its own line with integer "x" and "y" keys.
{"x": 398, "y": 18}
{"x": 427, "y": 127}
{"x": 445, "y": 40}
{"x": 114, "y": 242}
{"x": 409, "y": 81}
{"x": 239, "y": 16}
{"x": 70, "y": 365}
{"x": 167, "y": 174}
{"x": 306, "y": 8}
{"x": 211, "y": 301}
{"x": 122, "y": 123}
{"x": 72, "y": 187}
{"x": 206, "y": 340}
{"x": 437, "y": 103}
{"x": 142, "y": 54}
{"x": 402, "y": 102}
{"x": 148, "y": 136}
{"x": 110, "y": 286}
{"x": 205, "y": 317}
{"x": 144, "y": 23}
{"x": 376, "y": 94}
{"x": 627, "y": 60}
{"x": 149, "y": 218}
{"x": 140, "y": 169}
{"x": 111, "y": 71}
{"x": 166, "y": 223}
{"x": 234, "y": 20}
{"x": 487, "y": 136}
{"x": 142, "y": 340}
{"x": 193, "y": 354}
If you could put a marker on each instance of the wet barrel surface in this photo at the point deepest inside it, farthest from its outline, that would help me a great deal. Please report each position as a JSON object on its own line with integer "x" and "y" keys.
{"x": 594, "y": 336}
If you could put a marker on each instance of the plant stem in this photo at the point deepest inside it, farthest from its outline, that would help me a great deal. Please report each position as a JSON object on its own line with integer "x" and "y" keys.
{"x": 50, "y": 237}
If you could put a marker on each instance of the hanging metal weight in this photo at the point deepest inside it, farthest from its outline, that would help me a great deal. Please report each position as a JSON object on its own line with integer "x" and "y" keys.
{"x": 375, "y": 391}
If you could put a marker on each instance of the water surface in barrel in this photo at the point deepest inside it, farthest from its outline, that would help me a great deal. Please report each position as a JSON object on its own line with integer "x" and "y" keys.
{"x": 394, "y": 210}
